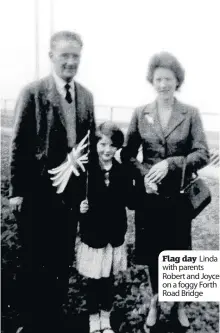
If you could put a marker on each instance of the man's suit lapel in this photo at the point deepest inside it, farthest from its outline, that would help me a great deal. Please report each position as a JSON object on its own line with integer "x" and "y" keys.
{"x": 54, "y": 98}
{"x": 177, "y": 117}
{"x": 80, "y": 107}
{"x": 80, "y": 101}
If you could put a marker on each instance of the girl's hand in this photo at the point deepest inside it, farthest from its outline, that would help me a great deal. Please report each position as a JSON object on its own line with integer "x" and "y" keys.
{"x": 84, "y": 206}
{"x": 16, "y": 203}
{"x": 157, "y": 172}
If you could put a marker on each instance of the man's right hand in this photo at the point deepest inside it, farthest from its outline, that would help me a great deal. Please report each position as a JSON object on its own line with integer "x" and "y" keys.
{"x": 16, "y": 203}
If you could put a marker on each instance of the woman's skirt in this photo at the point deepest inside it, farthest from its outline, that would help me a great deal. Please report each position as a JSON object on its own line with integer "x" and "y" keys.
{"x": 98, "y": 263}
{"x": 161, "y": 224}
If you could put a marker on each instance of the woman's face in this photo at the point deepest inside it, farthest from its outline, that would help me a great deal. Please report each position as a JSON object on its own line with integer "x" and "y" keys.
{"x": 105, "y": 149}
{"x": 164, "y": 82}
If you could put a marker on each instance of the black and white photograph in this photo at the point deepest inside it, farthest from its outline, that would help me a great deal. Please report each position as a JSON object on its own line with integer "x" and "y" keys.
{"x": 109, "y": 156}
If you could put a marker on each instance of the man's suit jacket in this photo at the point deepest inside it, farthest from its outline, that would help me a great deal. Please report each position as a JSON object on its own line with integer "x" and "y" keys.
{"x": 183, "y": 137}
{"x": 40, "y": 138}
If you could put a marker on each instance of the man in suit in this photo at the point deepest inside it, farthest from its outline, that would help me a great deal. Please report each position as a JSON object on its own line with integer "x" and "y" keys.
{"x": 54, "y": 124}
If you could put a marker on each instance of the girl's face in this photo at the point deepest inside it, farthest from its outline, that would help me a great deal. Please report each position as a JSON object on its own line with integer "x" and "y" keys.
{"x": 105, "y": 149}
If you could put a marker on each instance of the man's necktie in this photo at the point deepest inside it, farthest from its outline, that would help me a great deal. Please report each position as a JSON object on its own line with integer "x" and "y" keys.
{"x": 68, "y": 94}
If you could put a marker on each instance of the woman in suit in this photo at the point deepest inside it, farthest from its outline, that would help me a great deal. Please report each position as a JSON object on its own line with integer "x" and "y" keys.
{"x": 169, "y": 132}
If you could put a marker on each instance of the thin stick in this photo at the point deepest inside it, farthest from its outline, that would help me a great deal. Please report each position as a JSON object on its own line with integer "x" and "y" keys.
{"x": 87, "y": 171}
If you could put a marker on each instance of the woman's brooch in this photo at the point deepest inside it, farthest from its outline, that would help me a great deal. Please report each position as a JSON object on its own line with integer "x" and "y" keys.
{"x": 150, "y": 119}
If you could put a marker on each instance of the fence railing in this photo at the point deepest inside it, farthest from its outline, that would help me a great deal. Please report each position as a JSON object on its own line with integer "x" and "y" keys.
{"x": 121, "y": 114}
{"x": 114, "y": 114}
{"x": 214, "y": 157}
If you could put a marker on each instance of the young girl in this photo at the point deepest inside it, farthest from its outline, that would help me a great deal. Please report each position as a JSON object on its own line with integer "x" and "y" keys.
{"x": 103, "y": 224}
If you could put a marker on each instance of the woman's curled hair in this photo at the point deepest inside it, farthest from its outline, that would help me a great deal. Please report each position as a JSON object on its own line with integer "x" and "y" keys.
{"x": 169, "y": 61}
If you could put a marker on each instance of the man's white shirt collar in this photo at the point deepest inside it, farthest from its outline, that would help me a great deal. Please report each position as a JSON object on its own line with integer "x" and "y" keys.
{"x": 60, "y": 85}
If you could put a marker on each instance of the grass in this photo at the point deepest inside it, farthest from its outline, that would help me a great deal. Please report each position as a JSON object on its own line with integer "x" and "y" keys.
{"x": 132, "y": 292}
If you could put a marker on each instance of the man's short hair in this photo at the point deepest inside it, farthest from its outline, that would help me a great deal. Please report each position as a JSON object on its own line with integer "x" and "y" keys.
{"x": 65, "y": 35}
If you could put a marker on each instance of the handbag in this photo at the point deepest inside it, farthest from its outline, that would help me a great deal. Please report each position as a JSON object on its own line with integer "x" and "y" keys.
{"x": 196, "y": 191}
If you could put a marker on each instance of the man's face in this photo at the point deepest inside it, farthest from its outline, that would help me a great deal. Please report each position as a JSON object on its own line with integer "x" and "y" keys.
{"x": 65, "y": 57}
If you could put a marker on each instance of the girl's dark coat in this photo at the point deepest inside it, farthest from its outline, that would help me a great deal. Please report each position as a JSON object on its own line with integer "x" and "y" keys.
{"x": 106, "y": 220}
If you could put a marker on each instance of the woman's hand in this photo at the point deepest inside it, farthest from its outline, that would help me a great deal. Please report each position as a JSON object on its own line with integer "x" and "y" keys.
{"x": 157, "y": 172}
{"x": 150, "y": 188}
{"x": 84, "y": 206}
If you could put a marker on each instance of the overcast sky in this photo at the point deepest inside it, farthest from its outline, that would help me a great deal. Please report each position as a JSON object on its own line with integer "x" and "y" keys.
{"x": 120, "y": 36}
